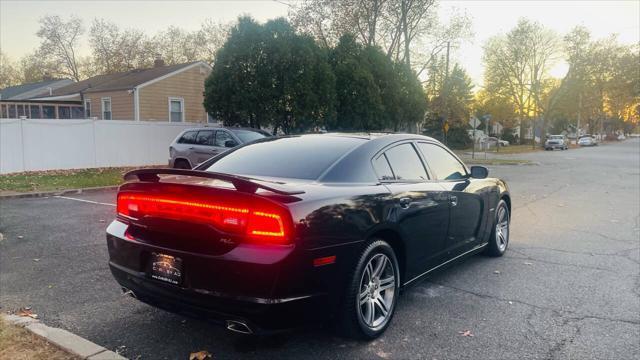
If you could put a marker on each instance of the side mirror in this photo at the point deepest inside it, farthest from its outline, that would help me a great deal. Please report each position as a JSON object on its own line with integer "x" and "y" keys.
{"x": 479, "y": 172}
{"x": 230, "y": 143}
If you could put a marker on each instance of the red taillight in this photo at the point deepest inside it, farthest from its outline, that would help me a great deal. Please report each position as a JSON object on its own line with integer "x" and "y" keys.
{"x": 266, "y": 224}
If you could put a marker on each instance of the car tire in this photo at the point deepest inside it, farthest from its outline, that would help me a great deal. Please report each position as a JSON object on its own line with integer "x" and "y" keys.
{"x": 181, "y": 164}
{"x": 499, "y": 239}
{"x": 366, "y": 293}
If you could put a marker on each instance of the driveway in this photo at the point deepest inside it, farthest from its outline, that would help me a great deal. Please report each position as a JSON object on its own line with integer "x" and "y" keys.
{"x": 569, "y": 286}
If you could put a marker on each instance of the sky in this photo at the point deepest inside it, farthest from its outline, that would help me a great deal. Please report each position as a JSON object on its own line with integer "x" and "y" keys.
{"x": 19, "y": 19}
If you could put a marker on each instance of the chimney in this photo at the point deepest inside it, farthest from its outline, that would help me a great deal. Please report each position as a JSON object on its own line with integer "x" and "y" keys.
{"x": 158, "y": 61}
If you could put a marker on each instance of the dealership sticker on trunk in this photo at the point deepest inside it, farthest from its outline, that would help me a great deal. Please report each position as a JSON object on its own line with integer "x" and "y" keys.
{"x": 166, "y": 268}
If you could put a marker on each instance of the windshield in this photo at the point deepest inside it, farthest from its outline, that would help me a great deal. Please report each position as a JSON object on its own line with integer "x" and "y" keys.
{"x": 556, "y": 137}
{"x": 248, "y": 135}
{"x": 299, "y": 157}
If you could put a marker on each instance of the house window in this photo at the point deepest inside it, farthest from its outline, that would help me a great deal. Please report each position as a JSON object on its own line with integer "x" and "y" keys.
{"x": 12, "y": 111}
{"x": 48, "y": 112}
{"x": 87, "y": 108}
{"x": 106, "y": 108}
{"x": 176, "y": 109}
{"x": 64, "y": 112}
{"x": 3, "y": 113}
{"x": 20, "y": 110}
{"x": 35, "y": 112}
{"x": 77, "y": 112}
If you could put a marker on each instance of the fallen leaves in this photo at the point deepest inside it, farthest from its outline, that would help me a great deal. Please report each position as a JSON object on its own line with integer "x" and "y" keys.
{"x": 497, "y": 272}
{"x": 200, "y": 355}
{"x": 466, "y": 333}
{"x": 27, "y": 312}
{"x": 528, "y": 263}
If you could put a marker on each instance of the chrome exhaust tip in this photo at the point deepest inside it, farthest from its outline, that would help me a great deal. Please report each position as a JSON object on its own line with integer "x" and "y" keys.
{"x": 126, "y": 291}
{"x": 239, "y": 327}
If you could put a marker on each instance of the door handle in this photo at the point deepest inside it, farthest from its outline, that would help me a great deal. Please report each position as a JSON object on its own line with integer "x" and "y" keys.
{"x": 405, "y": 203}
{"x": 453, "y": 200}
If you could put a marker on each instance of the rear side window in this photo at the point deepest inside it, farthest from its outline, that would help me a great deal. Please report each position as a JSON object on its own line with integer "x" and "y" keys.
{"x": 290, "y": 157}
{"x": 222, "y": 137}
{"x": 442, "y": 163}
{"x": 188, "y": 138}
{"x": 406, "y": 163}
{"x": 382, "y": 168}
{"x": 205, "y": 137}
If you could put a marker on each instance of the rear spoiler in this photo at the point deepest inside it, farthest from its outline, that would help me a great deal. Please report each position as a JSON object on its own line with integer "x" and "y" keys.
{"x": 241, "y": 183}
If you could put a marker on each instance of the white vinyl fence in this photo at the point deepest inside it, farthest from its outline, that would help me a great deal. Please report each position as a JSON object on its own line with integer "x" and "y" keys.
{"x": 28, "y": 145}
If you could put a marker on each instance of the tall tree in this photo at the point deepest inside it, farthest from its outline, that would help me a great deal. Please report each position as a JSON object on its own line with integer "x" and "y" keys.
{"x": 9, "y": 74}
{"x": 60, "y": 42}
{"x": 450, "y": 97}
{"x": 116, "y": 50}
{"x": 517, "y": 66}
{"x": 267, "y": 75}
{"x": 407, "y": 30}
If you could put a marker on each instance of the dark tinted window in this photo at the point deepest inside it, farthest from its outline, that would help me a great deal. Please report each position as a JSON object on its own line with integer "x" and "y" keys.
{"x": 405, "y": 163}
{"x": 205, "y": 137}
{"x": 248, "y": 135}
{"x": 442, "y": 163}
{"x": 188, "y": 138}
{"x": 222, "y": 137}
{"x": 305, "y": 157}
{"x": 64, "y": 112}
{"x": 382, "y": 168}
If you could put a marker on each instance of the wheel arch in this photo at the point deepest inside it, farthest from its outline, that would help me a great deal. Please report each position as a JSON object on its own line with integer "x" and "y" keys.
{"x": 397, "y": 244}
{"x": 180, "y": 158}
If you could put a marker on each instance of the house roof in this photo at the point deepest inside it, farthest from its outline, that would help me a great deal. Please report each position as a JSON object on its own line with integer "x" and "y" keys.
{"x": 27, "y": 91}
{"x": 118, "y": 81}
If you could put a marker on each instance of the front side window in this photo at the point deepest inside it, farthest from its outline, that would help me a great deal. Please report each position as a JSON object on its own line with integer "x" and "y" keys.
{"x": 406, "y": 163}
{"x": 87, "y": 108}
{"x": 106, "y": 108}
{"x": 204, "y": 137}
{"x": 176, "y": 109}
{"x": 443, "y": 165}
{"x": 188, "y": 138}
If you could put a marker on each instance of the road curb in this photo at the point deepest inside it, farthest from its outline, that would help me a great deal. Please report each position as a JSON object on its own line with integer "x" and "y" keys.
{"x": 64, "y": 339}
{"x": 58, "y": 192}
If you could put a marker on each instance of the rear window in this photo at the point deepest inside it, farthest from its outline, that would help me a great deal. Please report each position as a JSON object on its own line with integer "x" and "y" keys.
{"x": 248, "y": 135}
{"x": 292, "y": 157}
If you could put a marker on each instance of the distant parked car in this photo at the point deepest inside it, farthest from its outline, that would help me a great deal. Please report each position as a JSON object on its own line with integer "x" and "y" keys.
{"x": 587, "y": 140}
{"x": 622, "y": 137}
{"x": 194, "y": 146}
{"x": 556, "y": 142}
{"x": 492, "y": 141}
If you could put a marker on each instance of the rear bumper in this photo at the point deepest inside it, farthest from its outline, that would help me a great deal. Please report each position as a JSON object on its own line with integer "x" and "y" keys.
{"x": 262, "y": 315}
{"x": 270, "y": 289}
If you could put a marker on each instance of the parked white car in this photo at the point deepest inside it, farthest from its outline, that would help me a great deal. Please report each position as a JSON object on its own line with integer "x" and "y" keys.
{"x": 587, "y": 140}
{"x": 492, "y": 141}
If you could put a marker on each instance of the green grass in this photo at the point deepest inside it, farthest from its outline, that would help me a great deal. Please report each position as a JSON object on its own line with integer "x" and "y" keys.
{"x": 61, "y": 179}
{"x": 511, "y": 149}
{"x": 496, "y": 161}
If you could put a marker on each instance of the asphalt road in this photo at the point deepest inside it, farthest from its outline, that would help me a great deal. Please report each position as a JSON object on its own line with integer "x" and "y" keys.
{"x": 568, "y": 288}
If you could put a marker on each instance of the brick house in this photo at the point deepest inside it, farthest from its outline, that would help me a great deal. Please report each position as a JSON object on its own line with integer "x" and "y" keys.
{"x": 161, "y": 93}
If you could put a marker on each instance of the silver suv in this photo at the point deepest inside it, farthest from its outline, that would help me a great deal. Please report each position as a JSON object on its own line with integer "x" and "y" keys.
{"x": 556, "y": 142}
{"x": 194, "y": 146}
